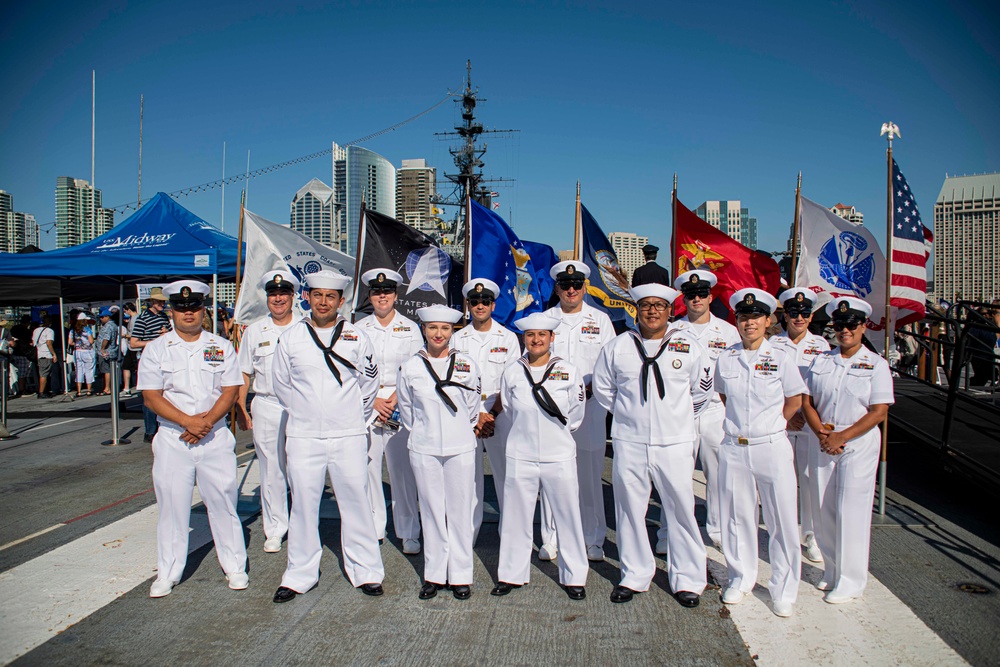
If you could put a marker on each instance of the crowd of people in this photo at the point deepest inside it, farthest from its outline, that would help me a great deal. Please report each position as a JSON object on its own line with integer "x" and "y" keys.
{"x": 782, "y": 422}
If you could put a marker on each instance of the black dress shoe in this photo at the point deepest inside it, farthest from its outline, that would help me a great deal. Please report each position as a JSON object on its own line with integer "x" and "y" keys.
{"x": 502, "y": 588}
{"x": 462, "y": 592}
{"x": 576, "y": 592}
{"x": 622, "y": 594}
{"x": 147, "y": 438}
{"x": 687, "y": 598}
{"x": 429, "y": 590}
{"x": 371, "y": 589}
{"x": 284, "y": 595}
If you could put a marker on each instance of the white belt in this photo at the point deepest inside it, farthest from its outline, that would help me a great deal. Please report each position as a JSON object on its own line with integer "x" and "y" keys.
{"x": 744, "y": 441}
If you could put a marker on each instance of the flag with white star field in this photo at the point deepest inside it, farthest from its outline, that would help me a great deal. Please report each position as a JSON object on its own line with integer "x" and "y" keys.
{"x": 908, "y": 288}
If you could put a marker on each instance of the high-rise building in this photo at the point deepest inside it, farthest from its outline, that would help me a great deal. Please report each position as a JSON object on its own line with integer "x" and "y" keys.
{"x": 17, "y": 230}
{"x": 848, "y": 213}
{"x": 967, "y": 238}
{"x": 731, "y": 218}
{"x": 6, "y": 202}
{"x": 416, "y": 184}
{"x": 313, "y": 213}
{"x": 628, "y": 248}
{"x": 361, "y": 175}
{"x": 79, "y": 216}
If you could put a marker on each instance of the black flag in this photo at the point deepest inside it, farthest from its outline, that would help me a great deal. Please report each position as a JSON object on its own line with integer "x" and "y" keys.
{"x": 430, "y": 275}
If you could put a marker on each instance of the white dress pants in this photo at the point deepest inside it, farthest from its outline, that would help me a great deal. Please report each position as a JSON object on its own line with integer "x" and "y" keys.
{"x": 591, "y": 445}
{"x": 176, "y": 467}
{"x": 708, "y": 426}
{"x": 345, "y": 460}
{"x": 496, "y": 450}
{"x": 803, "y": 444}
{"x": 405, "y": 515}
{"x": 845, "y": 489}
{"x": 635, "y": 468}
{"x": 557, "y": 480}
{"x": 766, "y": 469}
{"x": 269, "y": 420}
{"x": 445, "y": 487}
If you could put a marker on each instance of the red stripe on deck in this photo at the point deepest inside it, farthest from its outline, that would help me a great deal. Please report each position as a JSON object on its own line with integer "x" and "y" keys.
{"x": 117, "y": 502}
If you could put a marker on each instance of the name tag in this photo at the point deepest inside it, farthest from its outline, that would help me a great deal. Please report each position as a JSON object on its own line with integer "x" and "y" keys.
{"x": 264, "y": 344}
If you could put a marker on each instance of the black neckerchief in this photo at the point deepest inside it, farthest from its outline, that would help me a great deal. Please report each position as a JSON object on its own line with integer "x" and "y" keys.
{"x": 540, "y": 393}
{"x": 329, "y": 356}
{"x": 440, "y": 384}
{"x": 650, "y": 362}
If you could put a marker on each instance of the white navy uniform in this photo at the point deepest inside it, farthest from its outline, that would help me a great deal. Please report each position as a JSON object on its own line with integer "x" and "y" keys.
{"x": 326, "y": 435}
{"x": 842, "y": 391}
{"x": 493, "y": 351}
{"x": 579, "y": 338}
{"x": 757, "y": 456}
{"x": 654, "y": 439}
{"x": 393, "y": 345}
{"x": 804, "y": 442}
{"x": 442, "y": 448}
{"x": 257, "y": 347}
{"x": 541, "y": 455}
{"x": 714, "y": 336}
{"x": 191, "y": 376}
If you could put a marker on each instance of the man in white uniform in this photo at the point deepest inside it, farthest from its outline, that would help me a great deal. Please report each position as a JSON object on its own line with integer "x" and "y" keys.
{"x": 257, "y": 347}
{"x": 650, "y": 380}
{"x": 493, "y": 346}
{"x": 583, "y": 330}
{"x": 325, "y": 376}
{"x": 395, "y": 339}
{"x": 190, "y": 379}
{"x": 803, "y": 346}
{"x": 715, "y": 335}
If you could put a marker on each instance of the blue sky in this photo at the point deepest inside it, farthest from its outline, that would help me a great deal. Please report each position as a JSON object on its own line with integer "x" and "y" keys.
{"x": 735, "y": 97}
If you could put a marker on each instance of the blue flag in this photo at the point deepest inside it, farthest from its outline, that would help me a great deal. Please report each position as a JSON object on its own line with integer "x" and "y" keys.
{"x": 496, "y": 253}
{"x": 607, "y": 288}
{"x": 543, "y": 258}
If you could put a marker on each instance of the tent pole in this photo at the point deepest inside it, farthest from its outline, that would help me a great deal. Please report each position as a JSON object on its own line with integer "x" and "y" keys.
{"x": 215, "y": 302}
{"x": 62, "y": 343}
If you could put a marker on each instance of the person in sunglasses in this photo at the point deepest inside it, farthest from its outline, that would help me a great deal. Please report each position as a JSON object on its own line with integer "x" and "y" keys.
{"x": 651, "y": 380}
{"x": 544, "y": 398}
{"x": 395, "y": 338}
{"x": 715, "y": 335}
{"x": 493, "y": 346}
{"x": 439, "y": 397}
{"x": 762, "y": 389}
{"x": 850, "y": 391}
{"x": 325, "y": 376}
{"x": 583, "y": 330}
{"x": 803, "y": 346}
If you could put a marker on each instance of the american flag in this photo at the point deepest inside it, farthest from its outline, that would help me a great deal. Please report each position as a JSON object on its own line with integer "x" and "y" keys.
{"x": 910, "y": 250}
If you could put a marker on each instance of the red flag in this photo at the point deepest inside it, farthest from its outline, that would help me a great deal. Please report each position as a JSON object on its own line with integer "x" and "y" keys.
{"x": 699, "y": 245}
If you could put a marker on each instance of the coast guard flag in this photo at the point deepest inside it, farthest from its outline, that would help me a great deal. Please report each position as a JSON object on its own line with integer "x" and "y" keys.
{"x": 908, "y": 289}
{"x": 543, "y": 258}
{"x": 607, "y": 288}
{"x": 496, "y": 253}
{"x": 840, "y": 258}
{"x": 271, "y": 246}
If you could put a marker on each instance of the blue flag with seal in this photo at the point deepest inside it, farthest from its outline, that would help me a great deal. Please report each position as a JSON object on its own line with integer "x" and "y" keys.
{"x": 543, "y": 258}
{"x": 607, "y": 288}
{"x": 496, "y": 253}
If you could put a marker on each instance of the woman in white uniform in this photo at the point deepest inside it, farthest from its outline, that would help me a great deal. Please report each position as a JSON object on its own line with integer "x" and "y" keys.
{"x": 803, "y": 346}
{"x": 761, "y": 388}
{"x": 850, "y": 394}
{"x": 438, "y": 393}
{"x": 544, "y": 398}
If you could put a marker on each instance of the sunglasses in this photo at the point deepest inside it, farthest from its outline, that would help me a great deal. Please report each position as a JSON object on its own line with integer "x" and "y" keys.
{"x": 840, "y": 325}
{"x": 795, "y": 312}
{"x": 376, "y": 291}
{"x": 187, "y": 306}
{"x": 480, "y": 301}
{"x": 701, "y": 292}
{"x": 570, "y": 284}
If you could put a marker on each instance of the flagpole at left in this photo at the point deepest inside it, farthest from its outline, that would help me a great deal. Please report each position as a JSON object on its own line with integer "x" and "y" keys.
{"x": 673, "y": 230}
{"x": 889, "y": 128}
{"x": 796, "y": 231}
{"x": 234, "y": 333}
{"x": 577, "y": 221}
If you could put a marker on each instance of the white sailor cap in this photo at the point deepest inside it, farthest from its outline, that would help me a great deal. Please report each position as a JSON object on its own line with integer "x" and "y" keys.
{"x": 843, "y": 307}
{"x": 537, "y": 322}
{"x": 751, "y": 300}
{"x": 186, "y": 290}
{"x": 480, "y": 287}
{"x": 665, "y": 292}
{"x": 327, "y": 279}
{"x": 279, "y": 279}
{"x": 797, "y": 295}
{"x": 381, "y": 278}
{"x": 85, "y": 316}
{"x": 569, "y": 270}
{"x": 439, "y": 313}
{"x": 690, "y": 279}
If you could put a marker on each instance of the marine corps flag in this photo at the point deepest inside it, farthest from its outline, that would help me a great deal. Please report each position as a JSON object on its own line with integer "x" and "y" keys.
{"x": 430, "y": 275}
{"x": 607, "y": 288}
{"x": 699, "y": 245}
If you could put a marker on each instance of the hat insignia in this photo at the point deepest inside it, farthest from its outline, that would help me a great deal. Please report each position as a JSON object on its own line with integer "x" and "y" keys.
{"x": 799, "y": 297}
{"x": 185, "y": 291}
{"x": 694, "y": 279}
{"x": 479, "y": 287}
{"x": 381, "y": 277}
{"x": 571, "y": 269}
{"x": 843, "y": 306}
{"x": 748, "y": 299}
{"x": 277, "y": 279}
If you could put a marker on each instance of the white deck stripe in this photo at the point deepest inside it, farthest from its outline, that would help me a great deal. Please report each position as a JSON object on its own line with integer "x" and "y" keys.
{"x": 32, "y": 536}
{"x": 39, "y": 428}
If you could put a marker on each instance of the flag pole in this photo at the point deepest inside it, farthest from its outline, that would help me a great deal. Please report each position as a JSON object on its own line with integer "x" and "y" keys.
{"x": 362, "y": 224}
{"x": 235, "y": 331}
{"x": 889, "y": 128}
{"x": 796, "y": 222}
{"x": 468, "y": 239}
{"x": 673, "y": 230}
{"x": 577, "y": 222}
